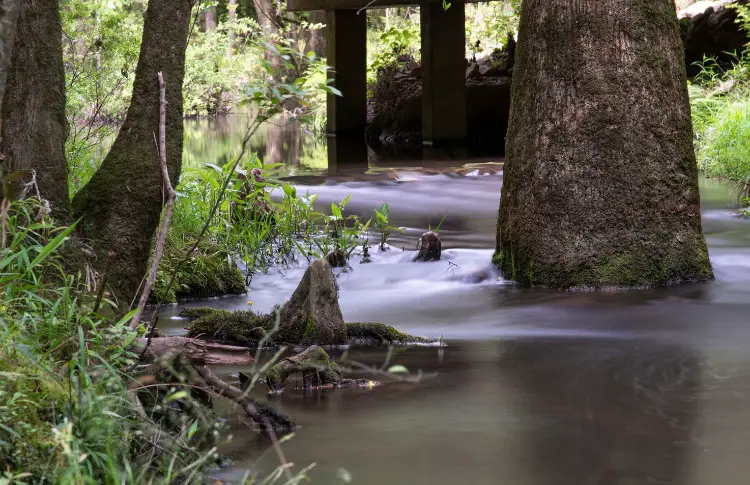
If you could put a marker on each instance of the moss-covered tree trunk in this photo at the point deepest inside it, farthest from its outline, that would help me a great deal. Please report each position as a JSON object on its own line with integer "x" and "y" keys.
{"x": 122, "y": 203}
{"x": 34, "y": 126}
{"x": 600, "y": 182}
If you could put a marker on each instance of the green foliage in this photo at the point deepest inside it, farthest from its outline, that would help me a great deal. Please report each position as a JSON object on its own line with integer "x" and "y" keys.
{"x": 383, "y": 225}
{"x": 392, "y": 46}
{"x": 101, "y": 40}
{"x": 488, "y": 25}
{"x": 720, "y": 101}
{"x": 209, "y": 270}
{"x": 67, "y": 413}
{"x": 264, "y": 223}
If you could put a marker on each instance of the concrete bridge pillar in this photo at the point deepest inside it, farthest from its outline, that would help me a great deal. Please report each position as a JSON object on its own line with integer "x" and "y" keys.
{"x": 346, "y": 52}
{"x": 443, "y": 73}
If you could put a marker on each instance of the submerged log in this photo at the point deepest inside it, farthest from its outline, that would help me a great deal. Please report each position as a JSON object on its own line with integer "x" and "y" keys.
{"x": 198, "y": 351}
{"x": 430, "y": 247}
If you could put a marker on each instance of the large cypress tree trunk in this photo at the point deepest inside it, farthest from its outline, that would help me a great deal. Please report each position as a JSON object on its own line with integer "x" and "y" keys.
{"x": 600, "y": 183}
{"x": 122, "y": 203}
{"x": 34, "y": 126}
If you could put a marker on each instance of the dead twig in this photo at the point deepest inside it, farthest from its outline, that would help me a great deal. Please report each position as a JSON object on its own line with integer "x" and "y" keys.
{"x": 171, "y": 195}
{"x": 261, "y": 413}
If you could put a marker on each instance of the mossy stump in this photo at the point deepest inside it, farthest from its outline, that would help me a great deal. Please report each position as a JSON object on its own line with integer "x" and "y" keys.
{"x": 312, "y": 315}
{"x": 314, "y": 365}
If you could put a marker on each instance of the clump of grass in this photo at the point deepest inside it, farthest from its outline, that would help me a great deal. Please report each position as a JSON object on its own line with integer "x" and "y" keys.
{"x": 71, "y": 410}
{"x": 209, "y": 271}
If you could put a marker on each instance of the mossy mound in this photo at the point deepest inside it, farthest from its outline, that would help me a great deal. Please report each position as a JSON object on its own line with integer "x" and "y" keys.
{"x": 245, "y": 327}
{"x": 312, "y": 363}
{"x": 208, "y": 272}
{"x": 242, "y": 327}
{"x": 374, "y": 334}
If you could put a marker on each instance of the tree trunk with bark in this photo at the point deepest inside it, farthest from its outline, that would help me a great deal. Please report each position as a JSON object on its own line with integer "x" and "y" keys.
{"x": 121, "y": 205}
{"x": 231, "y": 19}
{"x": 9, "y": 10}
{"x": 600, "y": 183}
{"x": 210, "y": 22}
{"x": 34, "y": 126}
{"x": 267, "y": 16}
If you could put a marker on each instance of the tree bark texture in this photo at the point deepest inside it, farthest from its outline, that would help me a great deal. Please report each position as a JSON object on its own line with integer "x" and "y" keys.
{"x": 34, "y": 126}
{"x": 9, "y": 10}
{"x": 600, "y": 183}
{"x": 121, "y": 205}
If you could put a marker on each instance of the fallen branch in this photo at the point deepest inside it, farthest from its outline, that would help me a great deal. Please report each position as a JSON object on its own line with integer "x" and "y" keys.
{"x": 197, "y": 351}
{"x": 261, "y": 413}
{"x": 171, "y": 195}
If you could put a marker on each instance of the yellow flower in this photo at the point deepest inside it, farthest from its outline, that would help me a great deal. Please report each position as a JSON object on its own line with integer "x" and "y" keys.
{"x": 249, "y": 303}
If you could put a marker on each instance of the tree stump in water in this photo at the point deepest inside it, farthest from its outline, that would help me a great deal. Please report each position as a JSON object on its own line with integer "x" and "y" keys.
{"x": 336, "y": 259}
{"x": 430, "y": 247}
{"x": 312, "y": 315}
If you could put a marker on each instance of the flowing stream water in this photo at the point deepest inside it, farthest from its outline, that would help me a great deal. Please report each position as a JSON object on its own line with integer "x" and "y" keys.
{"x": 535, "y": 386}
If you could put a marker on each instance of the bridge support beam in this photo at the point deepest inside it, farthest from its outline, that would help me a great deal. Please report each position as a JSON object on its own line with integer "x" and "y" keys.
{"x": 346, "y": 52}
{"x": 443, "y": 73}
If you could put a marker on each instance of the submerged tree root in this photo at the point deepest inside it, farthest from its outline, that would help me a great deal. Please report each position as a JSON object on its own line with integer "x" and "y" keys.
{"x": 316, "y": 369}
{"x": 175, "y": 370}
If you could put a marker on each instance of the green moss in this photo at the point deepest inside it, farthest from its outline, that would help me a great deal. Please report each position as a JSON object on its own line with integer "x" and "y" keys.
{"x": 314, "y": 365}
{"x": 626, "y": 269}
{"x": 29, "y": 401}
{"x": 243, "y": 327}
{"x": 377, "y": 333}
{"x": 208, "y": 272}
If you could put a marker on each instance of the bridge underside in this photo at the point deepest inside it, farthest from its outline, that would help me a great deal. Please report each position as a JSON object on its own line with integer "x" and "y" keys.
{"x": 443, "y": 66}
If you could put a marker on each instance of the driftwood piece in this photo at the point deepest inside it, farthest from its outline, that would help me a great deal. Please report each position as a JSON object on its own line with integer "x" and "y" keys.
{"x": 198, "y": 351}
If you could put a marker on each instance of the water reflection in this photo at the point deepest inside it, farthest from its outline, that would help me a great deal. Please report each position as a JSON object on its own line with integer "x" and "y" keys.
{"x": 537, "y": 387}
{"x": 215, "y": 140}
{"x": 604, "y": 412}
{"x": 302, "y": 152}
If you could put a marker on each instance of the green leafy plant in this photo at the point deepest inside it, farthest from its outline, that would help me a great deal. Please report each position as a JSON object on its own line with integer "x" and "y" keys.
{"x": 383, "y": 225}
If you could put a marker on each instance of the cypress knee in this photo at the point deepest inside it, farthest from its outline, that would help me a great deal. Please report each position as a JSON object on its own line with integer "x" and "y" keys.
{"x": 600, "y": 183}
